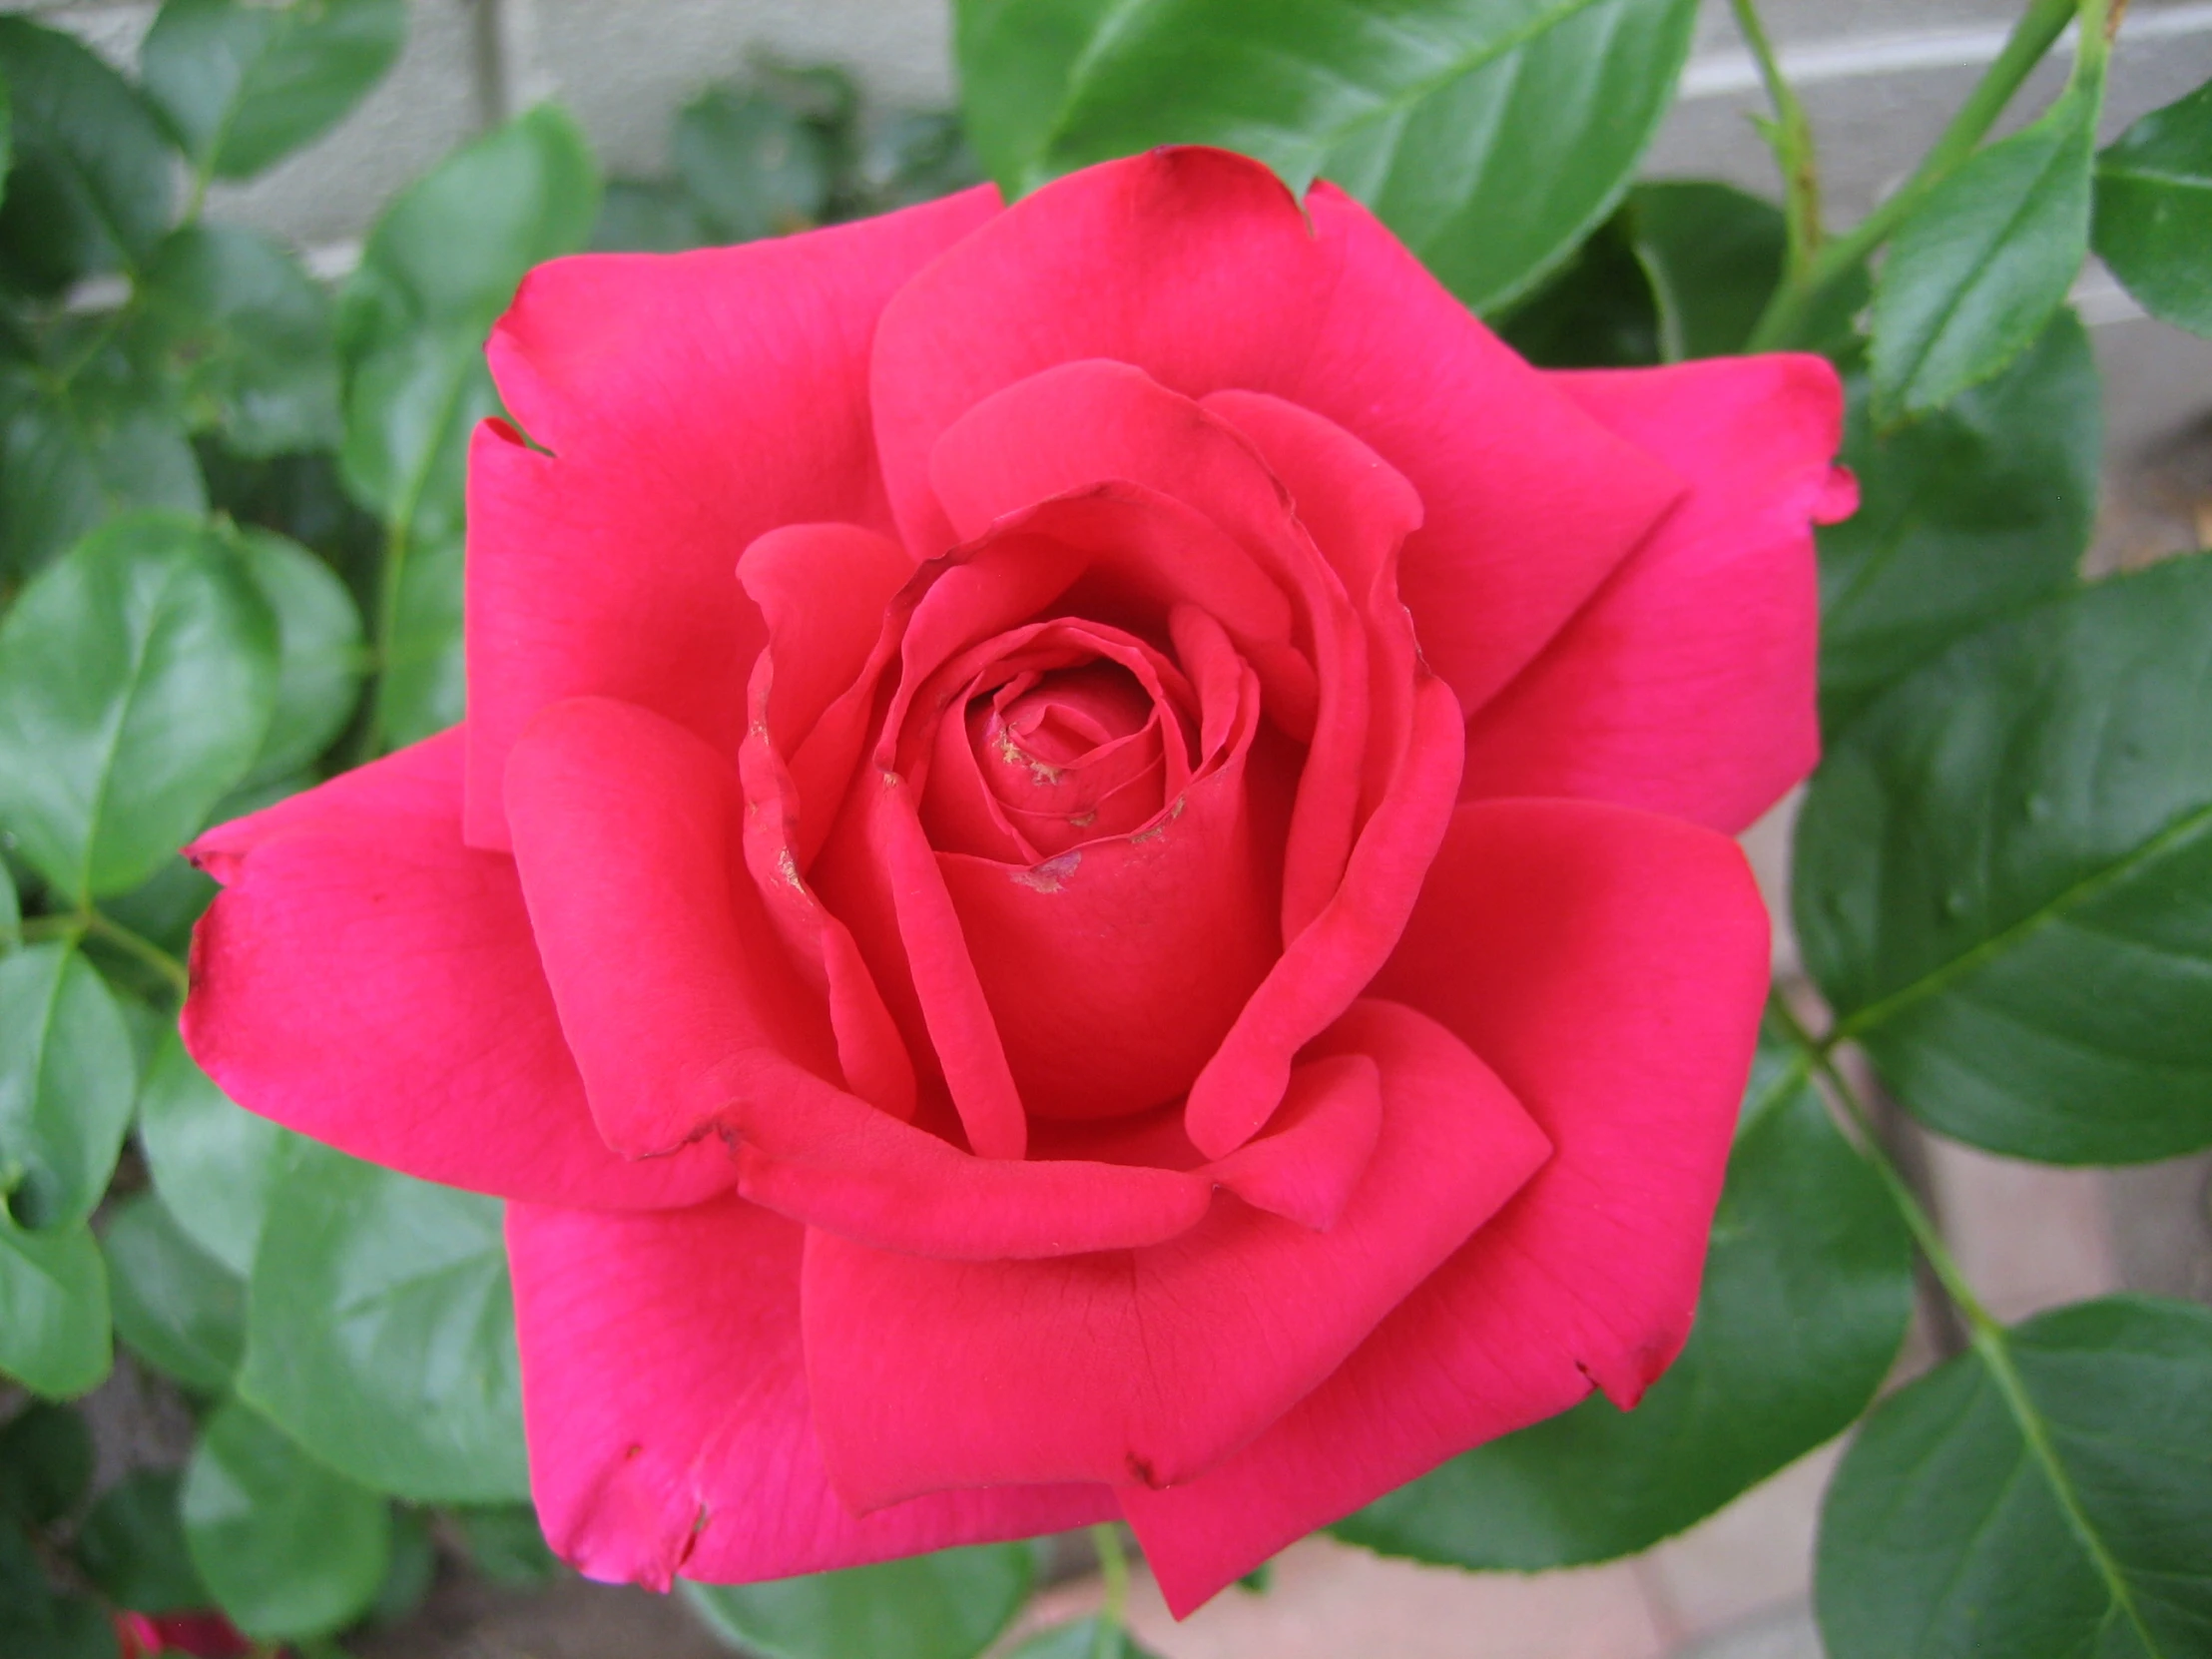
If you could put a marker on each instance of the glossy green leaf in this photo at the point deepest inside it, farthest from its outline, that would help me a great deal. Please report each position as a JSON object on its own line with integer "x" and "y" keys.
{"x": 1964, "y": 517}
{"x": 755, "y": 166}
{"x": 1492, "y": 135}
{"x": 288, "y": 1546}
{"x": 1084, "y": 1639}
{"x": 53, "y": 1310}
{"x": 132, "y": 1545}
{"x": 1806, "y": 1296}
{"x": 1975, "y": 273}
{"x": 138, "y": 677}
{"x": 380, "y": 1331}
{"x": 66, "y": 1082}
{"x": 950, "y": 1605}
{"x": 243, "y": 85}
{"x": 2003, "y": 878}
{"x": 2046, "y": 1495}
{"x": 244, "y": 333}
{"x": 176, "y": 1307}
{"x": 318, "y": 651}
{"x": 45, "y": 1464}
{"x": 92, "y": 180}
{"x": 2154, "y": 211}
{"x": 214, "y": 1163}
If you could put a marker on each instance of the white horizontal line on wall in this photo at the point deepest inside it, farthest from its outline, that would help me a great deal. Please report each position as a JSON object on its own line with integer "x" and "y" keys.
{"x": 1720, "y": 74}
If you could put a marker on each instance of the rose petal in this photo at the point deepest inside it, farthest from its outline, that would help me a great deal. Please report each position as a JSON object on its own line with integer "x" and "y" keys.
{"x": 1610, "y": 965}
{"x": 366, "y": 980}
{"x": 822, "y": 590}
{"x": 665, "y": 1398}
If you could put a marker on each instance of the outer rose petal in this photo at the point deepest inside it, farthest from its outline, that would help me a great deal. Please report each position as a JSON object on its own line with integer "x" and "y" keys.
{"x": 369, "y": 980}
{"x": 1610, "y": 965}
{"x": 1150, "y": 1365}
{"x": 1530, "y": 503}
{"x": 692, "y": 402}
{"x": 666, "y": 1403}
{"x": 1686, "y": 684}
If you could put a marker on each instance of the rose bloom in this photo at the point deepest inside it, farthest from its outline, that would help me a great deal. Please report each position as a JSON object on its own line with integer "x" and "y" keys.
{"x": 1089, "y": 875}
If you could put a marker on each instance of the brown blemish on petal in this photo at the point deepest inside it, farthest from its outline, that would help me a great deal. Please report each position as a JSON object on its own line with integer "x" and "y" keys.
{"x": 1052, "y": 874}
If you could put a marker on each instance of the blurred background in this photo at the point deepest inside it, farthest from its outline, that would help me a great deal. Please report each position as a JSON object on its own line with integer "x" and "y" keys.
{"x": 1880, "y": 78}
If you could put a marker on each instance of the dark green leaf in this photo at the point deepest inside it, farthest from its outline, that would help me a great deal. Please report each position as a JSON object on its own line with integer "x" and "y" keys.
{"x": 950, "y": 1605}
{"x": 243, "y": 85}
{"x": 755, "y": 165}
{"x": 137, "y": 678}
{"x": 1715, "y": 257}
{"x": 424, "y": 687}
{"x": 244, "y": 333}
{"x": 53, "y": 1310}
{"x": 1964, "y": 517}
{"x": 506, "y": 1544}
{"x": 2154, "y": 211}
{"x": 7, "y": 134}
{"x": 1595, "y": 311}
{"x": 176, "y": 1307}
{"x": 2003, "y": 878}
{"x": 1975, "y": 273}
{"x": 1084, "y": 1639}
{"x": 415, "y": 1567}
{"x": 320, "y": 651}
{"x": 2048, "y": 1495}
{"x": 380, "y": 1331}
{"x": 289, "y": 1547}
{"x": 132, "y": 1545}
{"x": 66, "y": 1082}
{"x": 45, "y": 1464}
{"x": 1490, "y": 136}
{"x": 93, "y": 175}
{"x": 1807, "y": 1292}
{"x": 214, "y": 1163}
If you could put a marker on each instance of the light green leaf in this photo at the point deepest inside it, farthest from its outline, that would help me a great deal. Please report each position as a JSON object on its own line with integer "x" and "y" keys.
{"x": 289, "y": 1547}
{"x": 214, "y": 1163}
{"x": 2154, "y": 211}
{"x": 1975, "y": 273}
{"x": 176, "y": 1307}
{"x": 1492, "y": 135}
{"x": 132, "y": 1546}
{"x": 243, "y": 85}
{"x": 2046, "y": 1495}
{"x": 245, "y": 334}
{"x": 320, "y": 651}
{"x": 1806, "y": 1292}
{"x": 1084, "y": 1639}
{"x": 2003, "y": 878}
{"x": 53, "y": 1310}
{"x": 950, "y": 1605}
{"x": 11, "y": 912}
{"x": 66, "y": 1081}
{"x": 1964, "y": 517}
{"x": 92, "y": 176}
{"x": 138, "y": 676}
{"x": 380, "y": 1331}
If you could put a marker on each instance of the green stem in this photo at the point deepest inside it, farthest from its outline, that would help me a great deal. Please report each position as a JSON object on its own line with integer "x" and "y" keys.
{"x": 136, "y": 944}
{"x": 1113, "y": 1613}
{"x": 69, "y": 927}
{"x": 388, "y": 577}
{"x": 2037, "y": 30}
{"x": 1790, "y": 135}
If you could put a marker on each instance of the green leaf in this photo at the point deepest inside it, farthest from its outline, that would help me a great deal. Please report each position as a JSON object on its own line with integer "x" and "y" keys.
{"x": 2003, "y": 878}
{"x": 647, "y": 217}
{"x": 289, "y": 1547}
{"x": 380, "y": 1331}
{"x": 755, "y": 166}
{"x": 11, "y": 912}
{"x": 176, "y": 1307}
{"x": 318, "y": 651}
{"x": 75, "y": 449}
{"x": 66, "y": 1082}
{"x": 243, "y": 85}
{"x": 2154, "y": 211}
{"x": 1085, "y": 1639}
{"x": 506, "y": 1544}
{"x": 53, "y": 1310}
{"x": 244, "y": 333}
{"x": 1964, "y": 517}
{"x": 138, "y": 676}
{"x": 1595, "y": 311}
{"x": 1975, "y": 272}
{"x": 93, "y": 175}
{"x": 413, "y": 1568}
{"x": 1715, "y": 257}
{"x": 7, "y": 134}
{"x": 45, "y": 1464}
{"x": 1492, "y": 135}
{"x": 2046, "y": 1495}
{"x": 41, "y": 1624}
{"x": 424, "y": 687}
{"x": 214, "y": 1163}
{"x": 132, "y": 1545}
{"x": 950, "y": 1605}
{"x": 1807, "y": 1292}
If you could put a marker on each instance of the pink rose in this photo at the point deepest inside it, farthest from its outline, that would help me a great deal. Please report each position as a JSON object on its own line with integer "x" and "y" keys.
{"x": 1089, "y": 875}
